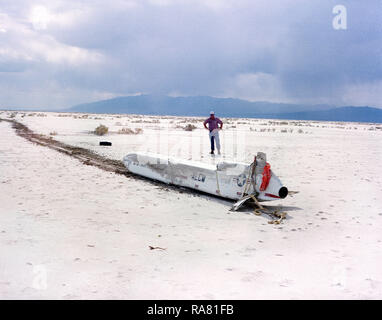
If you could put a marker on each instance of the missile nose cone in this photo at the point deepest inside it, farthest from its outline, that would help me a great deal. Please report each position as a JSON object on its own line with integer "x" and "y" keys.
{"x": 283, "y": 192}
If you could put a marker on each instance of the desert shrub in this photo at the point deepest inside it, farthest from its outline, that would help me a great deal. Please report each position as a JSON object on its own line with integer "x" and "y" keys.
{"x": 125, "y": 131}
{"x": 53, "y": 133}
{"x": 189, "y": 127}
{"x": 130, "y": 131}
{"x": 189, "y": 120}
{"x": 284, "y": 130}
{"x": 147, "y": 121}
{"x": 300, "y": 131}
{"x": 101, "y": 130}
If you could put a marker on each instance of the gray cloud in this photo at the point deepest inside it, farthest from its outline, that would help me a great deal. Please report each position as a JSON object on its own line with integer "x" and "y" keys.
{"x": 59, "y": 53}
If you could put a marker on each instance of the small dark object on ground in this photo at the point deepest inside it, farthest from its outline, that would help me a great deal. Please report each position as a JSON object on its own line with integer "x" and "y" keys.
{"x": 153, "y": 248}
{"x": 105, "y": 143}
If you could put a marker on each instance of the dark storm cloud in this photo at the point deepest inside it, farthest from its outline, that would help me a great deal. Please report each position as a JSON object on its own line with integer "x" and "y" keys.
{"x": 70, "y": 52}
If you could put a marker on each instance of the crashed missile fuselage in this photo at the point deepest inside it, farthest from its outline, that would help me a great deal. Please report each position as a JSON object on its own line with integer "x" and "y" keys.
{"x": 225, "y": 179}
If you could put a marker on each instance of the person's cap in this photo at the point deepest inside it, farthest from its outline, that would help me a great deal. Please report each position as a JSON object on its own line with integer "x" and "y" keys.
{"x": 211, "y": 112}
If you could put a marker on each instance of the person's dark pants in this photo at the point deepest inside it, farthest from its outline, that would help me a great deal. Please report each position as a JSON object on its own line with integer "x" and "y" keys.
{"x": 214, "y": 138}
{"x": 212, "y": 143}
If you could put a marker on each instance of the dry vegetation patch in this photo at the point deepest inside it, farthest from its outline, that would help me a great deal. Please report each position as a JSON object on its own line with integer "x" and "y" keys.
{"x": 130, "y": 131}
{"x": 189, "y": 127}
{"x": 101, "y": 130}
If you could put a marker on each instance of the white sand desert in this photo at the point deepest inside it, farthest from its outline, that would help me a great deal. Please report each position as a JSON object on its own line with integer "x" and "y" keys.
{"x": 72, "y": 231}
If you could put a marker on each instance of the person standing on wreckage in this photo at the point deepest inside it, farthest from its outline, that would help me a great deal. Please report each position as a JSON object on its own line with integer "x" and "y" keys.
{"x": 213, "y": 127}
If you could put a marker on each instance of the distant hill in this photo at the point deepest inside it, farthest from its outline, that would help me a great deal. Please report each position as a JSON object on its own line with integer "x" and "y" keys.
{"x": 227, "y": 107}
{"x": 189, "y": 106}
{"x": 349, "y": 114}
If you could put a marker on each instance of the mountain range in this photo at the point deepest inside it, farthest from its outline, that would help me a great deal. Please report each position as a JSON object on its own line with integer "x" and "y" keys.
{"x": 227, "y": 107}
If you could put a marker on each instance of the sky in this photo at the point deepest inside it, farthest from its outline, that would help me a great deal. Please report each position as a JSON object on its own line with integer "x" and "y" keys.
{"x": 55, "y": 54}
